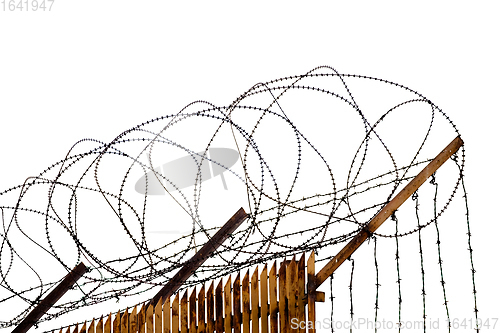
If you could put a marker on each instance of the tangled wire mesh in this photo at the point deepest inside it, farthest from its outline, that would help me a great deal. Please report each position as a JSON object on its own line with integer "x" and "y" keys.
{"x": 311, "y": 157}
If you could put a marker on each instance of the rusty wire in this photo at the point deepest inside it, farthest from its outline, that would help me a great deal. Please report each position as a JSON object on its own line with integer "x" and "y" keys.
{"x": 82, "y": 179}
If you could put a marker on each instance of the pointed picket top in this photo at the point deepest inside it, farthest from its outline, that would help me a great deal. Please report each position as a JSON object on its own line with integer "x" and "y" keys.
{"x": 283, "y": 297}
{"x": 192, "y": 311}
{"x": 210, "y": 308}
{"x": 201, "y": 310}
{"x": 133, "y": 327}
{"x": 91, "y": 328}
{"x": 166, "y": 315}
{"x": 273, "y": 299}
{"x": 108, "y": 324}
{"x": 149, "y": 318}
{"x": 264, "y": 324}
{"x": 100, "y": 326}
{"x": 141, "y": 319}
{"x": 219, "y": 308}
{"x": 228, "y": 305}
{"x": 158, "y": 317}
{"x": 245, "y": 290}
{"x": 237, "y": 304}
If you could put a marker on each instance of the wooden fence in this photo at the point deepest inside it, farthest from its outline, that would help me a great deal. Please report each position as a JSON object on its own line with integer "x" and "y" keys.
{"x": 265, "y": 301}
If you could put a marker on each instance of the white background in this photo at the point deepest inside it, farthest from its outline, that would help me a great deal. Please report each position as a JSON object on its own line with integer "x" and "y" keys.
{"x": 97, "y": 68}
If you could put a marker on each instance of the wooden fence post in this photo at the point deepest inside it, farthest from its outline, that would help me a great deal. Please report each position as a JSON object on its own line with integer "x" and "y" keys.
{"x": 387, "y": 211}
{"x": 201, "y": 256}
{"x": 51, "y": 299}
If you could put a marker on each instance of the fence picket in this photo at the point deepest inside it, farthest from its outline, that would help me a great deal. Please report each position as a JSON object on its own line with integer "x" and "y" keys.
{"x": 273, "y": 299}
{"x": 166, "y": 316}
{"x": 264, "y": 308}
{"x": 84, "y": 327}
{"x": 116, "y": 323}
{"x": 158, "y": 316}
{"x": 237, "y": 304}
{"x": 192, "y": 312}
{"x": 149, "y": 319}
{"x": 219, "y": 315}
{"x": 291, "y": 286}
{"x": 124, "y": 322}
{"x": 246, "y": 303}
{"x": 201, "y": 310}
{"x": 301, "y": 301}
{"x": 141, "y": 319}
{"x": 283, "y": 304}
{"x": 254, "y": 312}
{"x": 311, "y": 296}
{"x": 99, "y": 328}
{"x": 107, "y": 325}
{"x": 184, "y": 313}
{"x": 91, "y": 328}
{"x": 227, "y": 306}
{"x": 133, "y": 321}
{"x": 175, "y": 314}
{"x": 210, "y": 309}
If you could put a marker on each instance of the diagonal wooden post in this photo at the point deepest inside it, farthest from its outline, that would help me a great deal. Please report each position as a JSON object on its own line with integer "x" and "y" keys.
{"x": 387, "y": 211}
{"x": 51, "y": 299}
{"x": 200, "y": 257}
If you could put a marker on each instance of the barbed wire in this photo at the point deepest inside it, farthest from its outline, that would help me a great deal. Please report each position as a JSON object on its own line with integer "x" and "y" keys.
{"x": 289, "y": 136}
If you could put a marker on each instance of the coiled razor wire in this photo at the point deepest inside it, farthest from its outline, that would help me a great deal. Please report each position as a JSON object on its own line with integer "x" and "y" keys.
{"x": 318, "y": 155}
